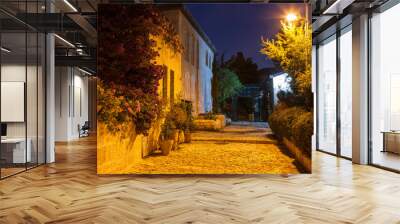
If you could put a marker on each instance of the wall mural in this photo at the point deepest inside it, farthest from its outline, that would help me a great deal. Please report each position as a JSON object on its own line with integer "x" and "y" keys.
{"x": 172, "y": 100}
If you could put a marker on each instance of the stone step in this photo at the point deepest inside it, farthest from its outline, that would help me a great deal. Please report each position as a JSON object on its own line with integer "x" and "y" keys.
{"x": 236, "y": 140}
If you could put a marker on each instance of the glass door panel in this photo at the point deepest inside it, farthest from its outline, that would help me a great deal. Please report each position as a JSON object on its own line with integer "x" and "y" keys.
{"x": 327, "y": 96}
{"x": 346, "y": 93}
{"x": 385, "y": 89}
{"x": 32, "y": 98}
{"x": 41, "y": 99}
{"x": 14, "y": 153}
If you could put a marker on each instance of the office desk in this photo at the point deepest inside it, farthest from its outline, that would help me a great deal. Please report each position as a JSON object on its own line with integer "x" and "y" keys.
{"x": 13, "y": 150}
{"x": 391, "y": 141}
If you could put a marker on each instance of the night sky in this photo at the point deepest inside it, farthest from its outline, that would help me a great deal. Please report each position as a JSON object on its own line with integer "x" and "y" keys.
{"x": 239, "y": 27}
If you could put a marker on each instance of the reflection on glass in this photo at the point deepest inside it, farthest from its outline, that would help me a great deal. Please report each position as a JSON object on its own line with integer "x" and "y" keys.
{"x": 22, "y": 90}
{"x": 31, "y": 100}
{"x": 385, "y": 84}
{"x": 14, "y": 153}
{"x": 327, "y": 96}
{"x": 346, "y": 94}
{"x": 41, "y": 98}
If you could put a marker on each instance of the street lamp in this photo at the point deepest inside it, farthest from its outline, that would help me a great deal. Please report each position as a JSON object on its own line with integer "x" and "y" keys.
{"x": 291, "y": 17}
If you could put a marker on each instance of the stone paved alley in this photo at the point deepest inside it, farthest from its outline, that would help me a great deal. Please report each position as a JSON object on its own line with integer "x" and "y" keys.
{"x": 239, "y": 148}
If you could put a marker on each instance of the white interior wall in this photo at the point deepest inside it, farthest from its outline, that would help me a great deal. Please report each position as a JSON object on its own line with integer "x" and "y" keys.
{"x": 62, "y": 83}
{"x": 33, "y": 127}
{"x": 80, "y": 110}
{"x": 12, "y": 73}
{"x": 71, "y": 102}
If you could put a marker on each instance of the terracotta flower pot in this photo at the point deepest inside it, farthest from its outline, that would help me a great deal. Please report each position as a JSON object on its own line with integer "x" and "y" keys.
{"x": 166, "y": 146}
{"x": 188, "y": 137}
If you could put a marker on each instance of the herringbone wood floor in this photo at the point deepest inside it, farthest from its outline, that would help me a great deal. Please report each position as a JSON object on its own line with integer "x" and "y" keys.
{"x": 69, "y": 191}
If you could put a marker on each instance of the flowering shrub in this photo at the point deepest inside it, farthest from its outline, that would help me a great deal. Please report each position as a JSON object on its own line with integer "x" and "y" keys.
{"x": 129, "y": 77}
{"x": 112, "y": 107}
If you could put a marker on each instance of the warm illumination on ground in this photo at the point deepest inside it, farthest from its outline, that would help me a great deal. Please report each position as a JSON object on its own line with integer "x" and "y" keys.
{"x": 218, "y": 158}
{"x": 236, "y": 150}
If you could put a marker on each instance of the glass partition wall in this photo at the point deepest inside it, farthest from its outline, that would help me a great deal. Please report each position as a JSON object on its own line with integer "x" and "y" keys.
{"x": 334, "y": 94}
{"x": 385, "y": 89}
{"x": 22, "y": 98}
{"x": 345, "y": 92}
{"x": 327, "y": 95}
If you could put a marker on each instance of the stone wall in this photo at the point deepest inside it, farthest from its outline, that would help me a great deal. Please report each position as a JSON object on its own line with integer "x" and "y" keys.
{"x": 210, "y": 125}
{"x": 207, "y": 125}
{"x": 117, "y": 152}
{"x": 300, "y": 156}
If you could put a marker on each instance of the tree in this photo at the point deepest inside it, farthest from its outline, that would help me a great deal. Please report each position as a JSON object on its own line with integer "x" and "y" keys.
{"x": 245, "y": 68}
{"x": 225, "y": 85}
{"x": 291, "y": 50}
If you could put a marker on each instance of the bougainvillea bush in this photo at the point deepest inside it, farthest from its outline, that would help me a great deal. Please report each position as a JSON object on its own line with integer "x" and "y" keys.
{"x": 128, "y": 74}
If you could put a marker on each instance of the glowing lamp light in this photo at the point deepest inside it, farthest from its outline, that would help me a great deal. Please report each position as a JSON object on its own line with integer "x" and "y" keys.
{"x": 291, "y": 17}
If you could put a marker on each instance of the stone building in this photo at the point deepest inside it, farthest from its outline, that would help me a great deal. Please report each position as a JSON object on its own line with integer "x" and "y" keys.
{"x": 197, "y": 58}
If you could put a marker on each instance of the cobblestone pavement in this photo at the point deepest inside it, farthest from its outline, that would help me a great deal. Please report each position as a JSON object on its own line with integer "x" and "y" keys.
{"x": 238, "y": 149}
{"x": 237, "y": 133}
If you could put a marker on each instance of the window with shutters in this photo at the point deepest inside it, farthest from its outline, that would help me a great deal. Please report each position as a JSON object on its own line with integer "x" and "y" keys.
{"x": 207, "y": 58}
{"x": 172, "y": 87}
{"x": 165, "y": 85}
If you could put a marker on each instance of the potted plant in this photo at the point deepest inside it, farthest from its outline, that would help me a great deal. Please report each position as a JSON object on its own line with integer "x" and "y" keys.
{"x": 178, "y": 114}
{"x": 188, "y": 125}
{"x": 167, "y": 136}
